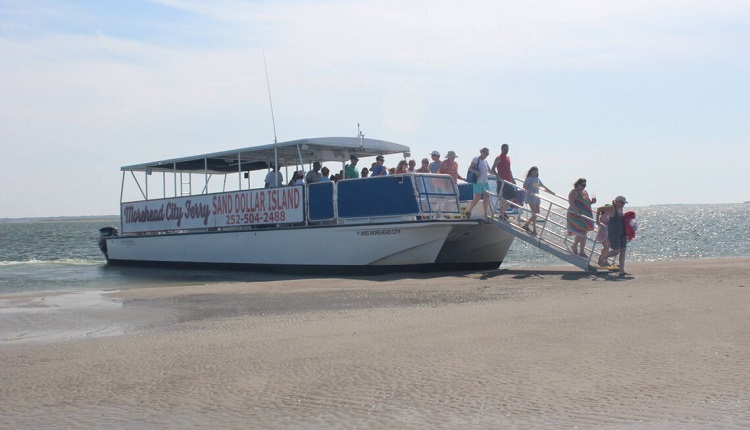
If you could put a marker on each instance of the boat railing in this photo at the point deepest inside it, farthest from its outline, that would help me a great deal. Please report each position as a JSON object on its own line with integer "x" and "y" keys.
{"x": 438, "y": 195}
{"x": 386, "y": 198}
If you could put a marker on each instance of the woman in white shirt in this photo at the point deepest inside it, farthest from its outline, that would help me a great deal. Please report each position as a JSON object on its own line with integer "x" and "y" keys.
{"x": 481, "y": 190}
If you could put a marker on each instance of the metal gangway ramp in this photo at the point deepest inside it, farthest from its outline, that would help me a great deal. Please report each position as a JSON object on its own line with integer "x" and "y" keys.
{"x": 552, "y": 227}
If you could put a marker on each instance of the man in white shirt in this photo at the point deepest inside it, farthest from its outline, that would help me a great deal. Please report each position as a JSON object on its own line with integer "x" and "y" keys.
{"x": 273, "y": 178}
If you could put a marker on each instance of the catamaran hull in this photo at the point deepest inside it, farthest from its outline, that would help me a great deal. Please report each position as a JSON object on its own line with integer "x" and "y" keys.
{"x": 388, "y": 247}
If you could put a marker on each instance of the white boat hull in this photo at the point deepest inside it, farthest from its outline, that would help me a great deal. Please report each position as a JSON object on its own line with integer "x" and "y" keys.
{"x": 390, "y": 223}
{"x": 414, "y": 245}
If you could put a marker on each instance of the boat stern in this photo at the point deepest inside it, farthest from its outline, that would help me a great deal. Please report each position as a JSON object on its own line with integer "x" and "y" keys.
{"x": 104, "y": 233}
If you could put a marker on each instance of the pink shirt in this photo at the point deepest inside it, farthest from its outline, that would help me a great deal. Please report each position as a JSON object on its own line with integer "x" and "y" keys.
{"x": 450, "y": 168}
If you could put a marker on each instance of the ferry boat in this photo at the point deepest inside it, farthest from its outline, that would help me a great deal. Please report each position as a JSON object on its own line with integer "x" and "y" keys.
{"x": 203, "y": 211}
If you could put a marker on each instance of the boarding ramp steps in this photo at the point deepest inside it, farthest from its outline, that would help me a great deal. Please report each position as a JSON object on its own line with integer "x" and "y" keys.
{"x": 552, "y": 227}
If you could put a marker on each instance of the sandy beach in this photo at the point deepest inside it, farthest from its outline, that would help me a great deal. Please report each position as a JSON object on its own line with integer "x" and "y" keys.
{"x": 665, "y": 348}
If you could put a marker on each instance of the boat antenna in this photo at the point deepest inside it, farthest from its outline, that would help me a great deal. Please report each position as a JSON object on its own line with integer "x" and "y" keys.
{"x": 273, "y": 122}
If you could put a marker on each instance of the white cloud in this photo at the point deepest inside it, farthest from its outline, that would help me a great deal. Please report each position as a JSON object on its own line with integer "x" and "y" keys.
{"x": 430, "y": 73}
{"x": 428, "y": 34}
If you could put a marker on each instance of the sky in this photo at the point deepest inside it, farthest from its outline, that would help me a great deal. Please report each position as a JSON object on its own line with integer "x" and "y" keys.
{"x": 645, "y": 99}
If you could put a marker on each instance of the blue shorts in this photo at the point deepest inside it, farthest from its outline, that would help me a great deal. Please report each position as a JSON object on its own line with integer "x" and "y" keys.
{"x": 481, "y": 188}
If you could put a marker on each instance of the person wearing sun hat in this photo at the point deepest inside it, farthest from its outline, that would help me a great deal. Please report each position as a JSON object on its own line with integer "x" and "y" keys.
{"x": 618, "y": 239}
{"x": 450, "y": 167}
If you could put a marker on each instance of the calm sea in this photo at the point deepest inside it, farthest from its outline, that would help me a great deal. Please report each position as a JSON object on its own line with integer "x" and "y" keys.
{"x": 63, "y": 255}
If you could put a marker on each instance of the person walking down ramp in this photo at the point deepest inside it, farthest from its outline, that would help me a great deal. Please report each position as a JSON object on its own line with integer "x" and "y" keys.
{"x": 532, "y": 185}
{"x": 617, "y": 232}
{"x": 501, "y": 170}
{"x": 481, "y": 169}
{"x": 602, "y": 220}
{"x": 580, "y": 216}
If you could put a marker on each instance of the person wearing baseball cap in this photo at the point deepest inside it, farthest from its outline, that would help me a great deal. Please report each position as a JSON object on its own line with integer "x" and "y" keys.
{"x": 435, "y": 165}
{"x": 350, "y": 171}
{"x": 618, "y": 240}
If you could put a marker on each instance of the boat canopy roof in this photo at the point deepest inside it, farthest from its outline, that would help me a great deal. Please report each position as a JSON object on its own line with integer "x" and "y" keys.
{"x": 295, "y": 152}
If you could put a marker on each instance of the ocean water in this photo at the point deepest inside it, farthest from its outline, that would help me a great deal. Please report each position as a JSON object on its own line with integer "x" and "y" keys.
{"x": 59, "y": 255}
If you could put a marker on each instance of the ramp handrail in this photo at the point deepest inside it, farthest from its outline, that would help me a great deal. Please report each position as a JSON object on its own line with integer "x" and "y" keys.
{"x": 552, "y": 230}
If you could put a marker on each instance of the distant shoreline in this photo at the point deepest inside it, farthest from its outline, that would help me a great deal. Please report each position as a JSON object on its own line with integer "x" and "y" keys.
{"x": 117, "y": 217}
{"x": 62, "y": 218}
{"x": 694, "y": 204}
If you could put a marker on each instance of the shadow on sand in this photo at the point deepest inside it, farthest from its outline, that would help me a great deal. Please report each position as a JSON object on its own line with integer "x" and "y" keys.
{"x": 563, "y": 274}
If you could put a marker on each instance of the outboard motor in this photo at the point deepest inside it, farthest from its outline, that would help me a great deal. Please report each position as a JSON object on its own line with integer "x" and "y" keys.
{"x": 104, "y": 233}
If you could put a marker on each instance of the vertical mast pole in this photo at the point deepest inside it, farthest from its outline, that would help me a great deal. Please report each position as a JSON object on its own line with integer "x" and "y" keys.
{"x": 273, "y": 122}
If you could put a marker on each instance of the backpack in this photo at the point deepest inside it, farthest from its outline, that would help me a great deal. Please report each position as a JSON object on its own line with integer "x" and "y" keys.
{"x": 471, "y": 177}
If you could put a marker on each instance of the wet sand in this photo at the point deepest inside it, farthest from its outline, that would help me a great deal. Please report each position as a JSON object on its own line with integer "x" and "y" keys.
{"x": 667, "y": 347}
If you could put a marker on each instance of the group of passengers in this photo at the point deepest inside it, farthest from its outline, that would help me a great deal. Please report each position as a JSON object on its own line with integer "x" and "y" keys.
{"x": 579, "y": 217}
{"x": 299, "y": 177}
{"x": 319, "y": 173}
{"x": 614, "y": 229}
{"x": 447, "y": 166}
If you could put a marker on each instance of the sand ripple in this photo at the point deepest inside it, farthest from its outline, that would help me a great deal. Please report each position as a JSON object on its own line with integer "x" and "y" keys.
{"x": 470, "y": 353}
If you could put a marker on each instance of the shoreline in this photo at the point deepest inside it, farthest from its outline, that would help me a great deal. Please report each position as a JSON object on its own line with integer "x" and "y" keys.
{"x": 81, "y": 314}
{"x": 551, "y": 347}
